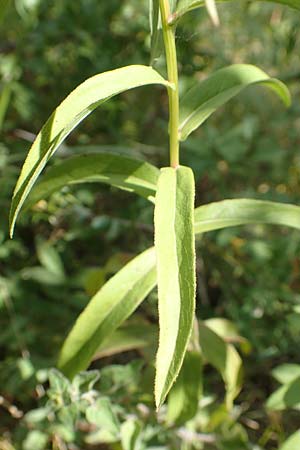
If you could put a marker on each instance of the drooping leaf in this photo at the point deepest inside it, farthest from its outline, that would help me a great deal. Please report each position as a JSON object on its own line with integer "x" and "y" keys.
{"x": 224, "y": 358}
{"x": 129, "y": 337}
{"x": 107, "y": 310}
{"x": 78, "y": 105}
{"x": 229, "y": 213}
{"x": 184, "y": 397}
{"x": 184, "y": 6}
{"x": 287, "y": 396}
{"x": 286, "y": 373}
{"x": 205, "y": 97}
{"x": 125, "y": 173}
{"x": 175, "y": 252}
{"x": 292, "y": 443}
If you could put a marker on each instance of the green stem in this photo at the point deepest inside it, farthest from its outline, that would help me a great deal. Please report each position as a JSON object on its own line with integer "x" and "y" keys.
{"x": 171, "y": 57}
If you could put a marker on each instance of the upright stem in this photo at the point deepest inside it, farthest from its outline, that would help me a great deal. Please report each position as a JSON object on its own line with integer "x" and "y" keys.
{"x": 171, "y": 57}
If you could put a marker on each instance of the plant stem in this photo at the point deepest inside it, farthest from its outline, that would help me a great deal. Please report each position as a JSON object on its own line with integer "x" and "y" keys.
{"x": 171, "y": 58}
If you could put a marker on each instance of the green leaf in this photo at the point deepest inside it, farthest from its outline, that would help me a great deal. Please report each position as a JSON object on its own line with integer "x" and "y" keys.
{"x": 130, "y": 435}
{"x": 205, "y": 97}
{"x": 129, "y": 337}
{"x": 157, "y": 45}
{"x": 292, "y": 443}
{"x": 175, "y": 251}
{"x": 111, "y": 306}
{"x": 78, "y": 105}
{"x": 224, "y": 358}
{"x": 184, "y": 6}
{"x": 230, "y": 213}
{"x": 287, "y": 396}
{"x": 286, "y": 373}
{"x": 184, "y": 397}
{"x": 102, "y": 414}
{"x": 125, "y": 173}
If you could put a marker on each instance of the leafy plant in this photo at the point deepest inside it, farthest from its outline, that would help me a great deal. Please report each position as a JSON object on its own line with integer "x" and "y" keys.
{"x": 171, "y": 264}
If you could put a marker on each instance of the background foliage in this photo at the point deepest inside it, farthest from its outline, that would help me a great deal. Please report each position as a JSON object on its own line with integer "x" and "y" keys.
{"x": 67, "y": 247}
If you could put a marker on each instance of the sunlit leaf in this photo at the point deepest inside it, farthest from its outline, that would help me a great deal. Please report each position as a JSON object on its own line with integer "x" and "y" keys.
{"x": 292, "y": 443}
{"x": 78, "y": 105}
{"x": 184, "y": 397}
{"x": 287, "y": 396}
{"x": 125, "y": 173}
{"x": 107, "y": 310}
{"x": 286, "y": 373}
{"x": 205, "y": 97}
{"x": 174, "y": 243}
{"x": 229, "y": 213}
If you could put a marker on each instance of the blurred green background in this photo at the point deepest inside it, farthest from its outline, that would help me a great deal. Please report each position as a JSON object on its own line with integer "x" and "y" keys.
{"x": 66, "y": 247}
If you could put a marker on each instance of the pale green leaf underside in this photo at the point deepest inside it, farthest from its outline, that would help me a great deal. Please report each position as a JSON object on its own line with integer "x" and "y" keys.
{"x": 292, "y": 443}
{"x": 107, "y": 310}
{"x": 230, "y": 213}
{"x": 119, "y": 171}
{"x": 174, "y": 243}
{"x": 185, "y": 6}
{"x": 78, "y": 105}
{"x": 203, "y": 99}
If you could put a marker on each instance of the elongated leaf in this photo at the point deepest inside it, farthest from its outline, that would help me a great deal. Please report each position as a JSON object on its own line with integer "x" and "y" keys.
{"x": 157, "y": 45}
{"x": 185, "y": 6}
{"x": 203, "y": 99}
{"x": 115, "y": 301}
{"x": 175, "y": 250}
{"x": 184, "y": 397}
{"x": 78, "y": 105}
{"x": 229, "y": 213}
{"x": 292, "y": 443}
{"x": 129, "y": 337}
{"x": 125, "y": 173}
{"x": 224, "y": 358}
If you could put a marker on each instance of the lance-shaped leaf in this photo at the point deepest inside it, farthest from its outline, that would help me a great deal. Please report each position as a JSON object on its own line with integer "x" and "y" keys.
{"x": 107, "y": 310}
{"x": 125, "y": 173}
{"x": 78, "y": 105}
{"x": 205, "y": 97}
{"x": 229, "y": 213}
{"x": 224, "y": 358}
{"x": 129, "y": 337}
{"x": 184, "y": 6}
{"x": 175, "y": 250}
{"x": 184, "y": 397}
